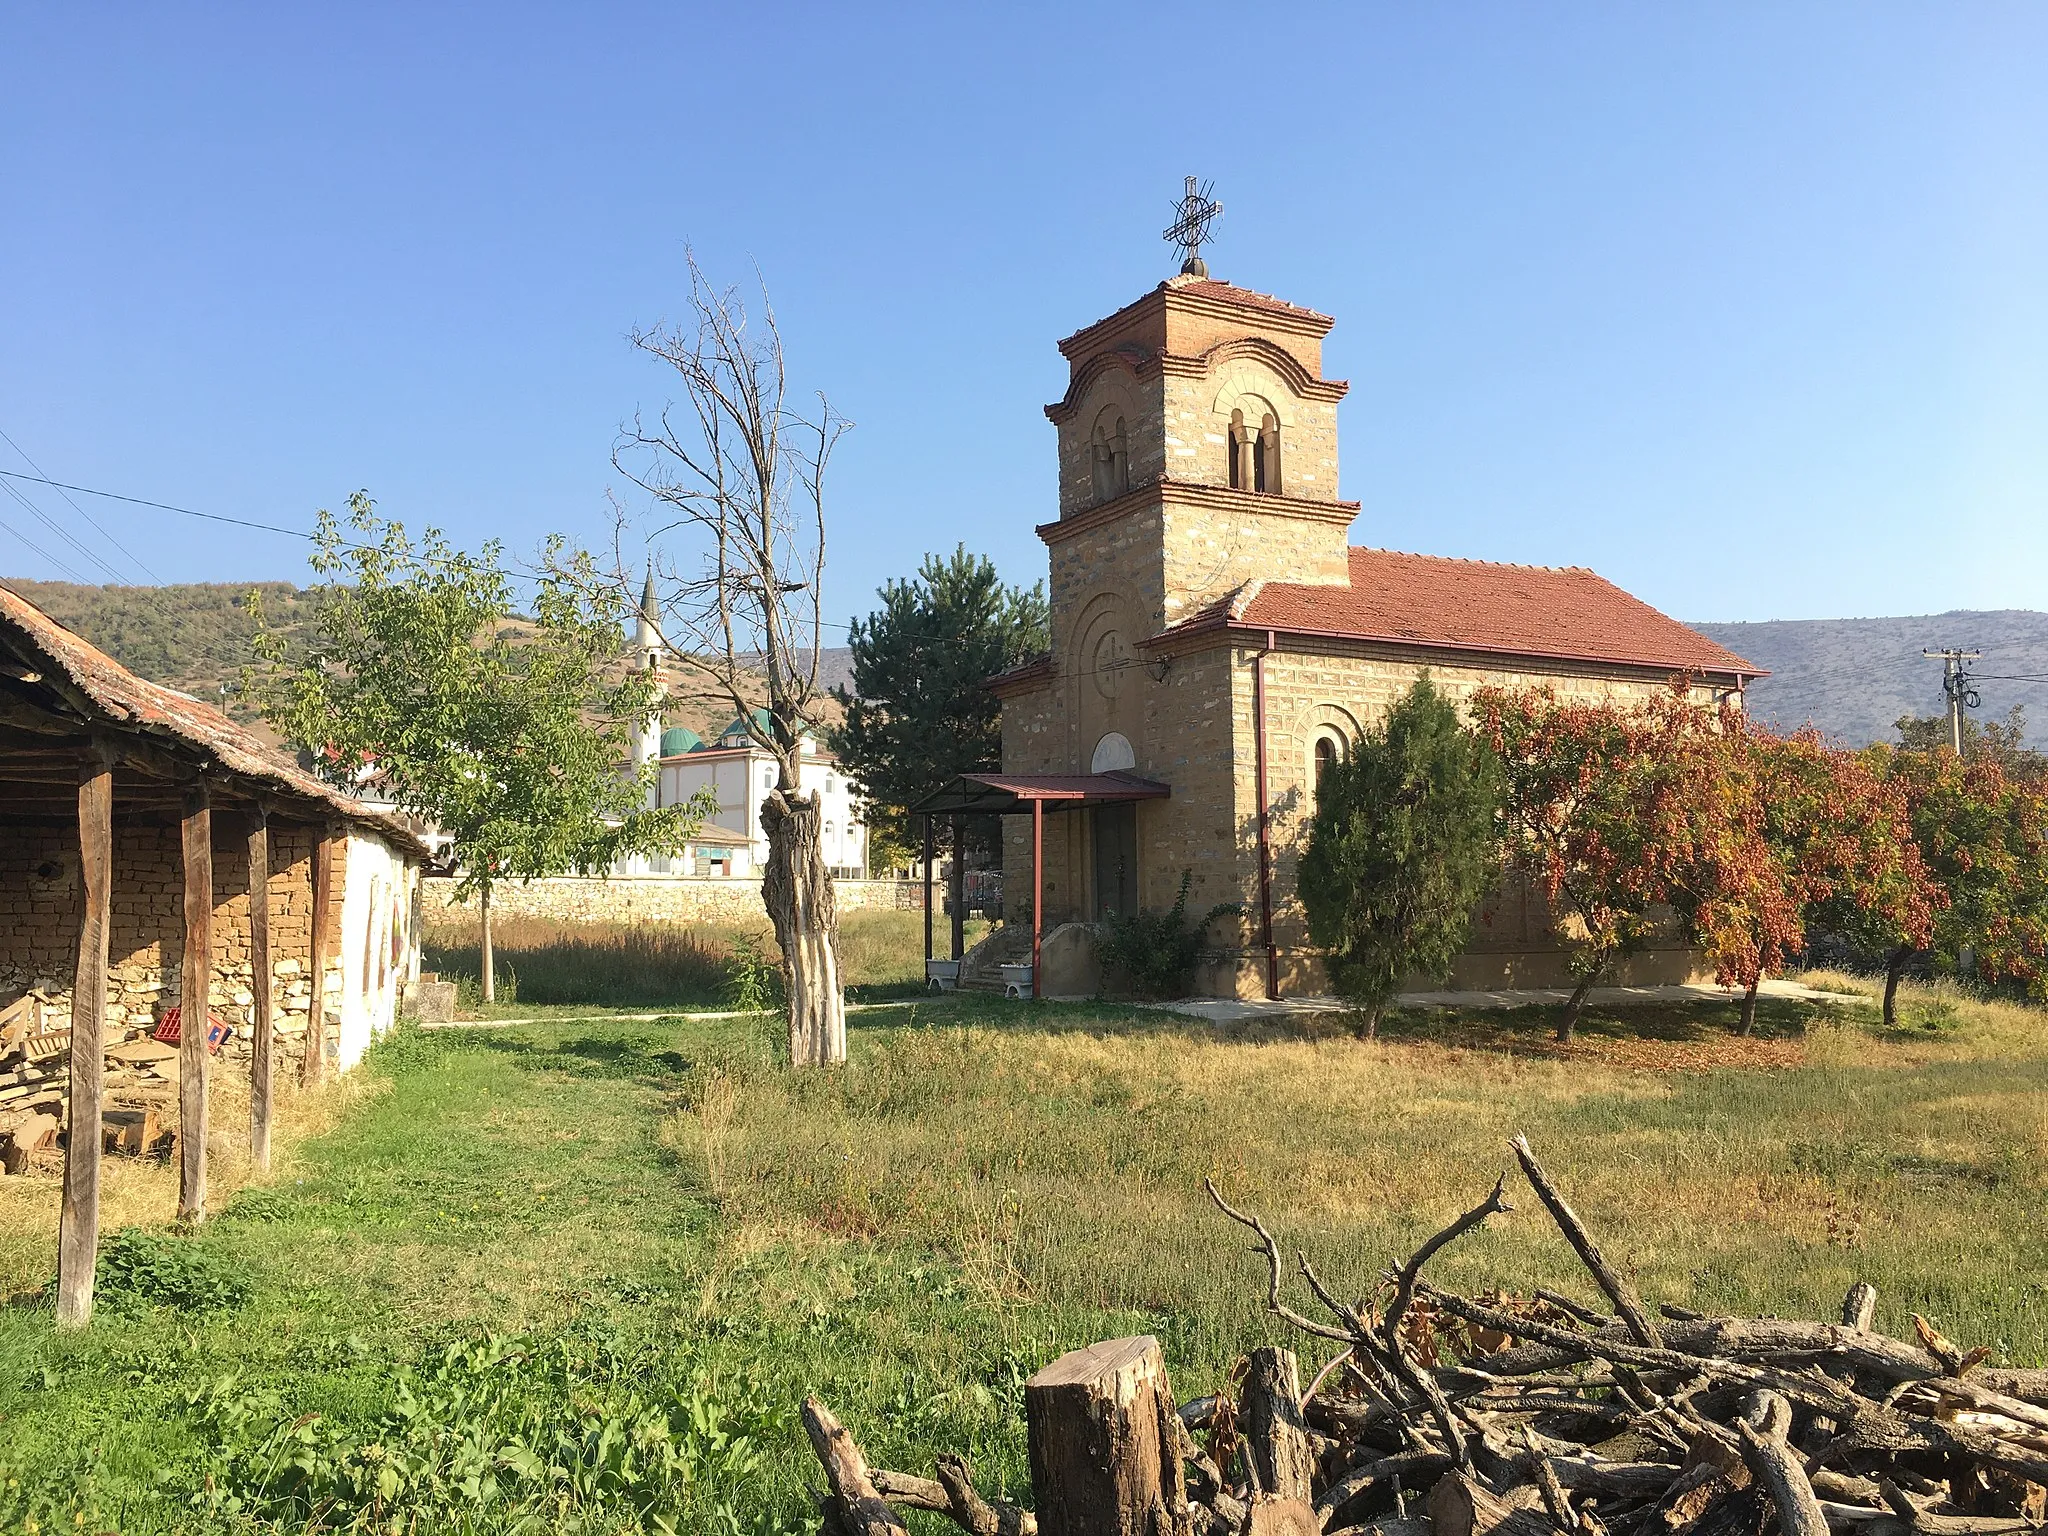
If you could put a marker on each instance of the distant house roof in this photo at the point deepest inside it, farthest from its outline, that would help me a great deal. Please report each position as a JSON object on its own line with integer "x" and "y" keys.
{"x": 712, "y": 836}
{"x": 1557, "y": 613}
{"x": 83, "y": 683}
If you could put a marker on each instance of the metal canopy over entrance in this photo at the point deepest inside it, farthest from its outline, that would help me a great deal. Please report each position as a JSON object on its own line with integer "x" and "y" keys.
{"x": 1019, "y": 794}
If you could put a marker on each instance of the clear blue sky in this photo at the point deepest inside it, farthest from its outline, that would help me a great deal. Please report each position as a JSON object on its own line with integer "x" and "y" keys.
{"x": 1745, "y": 306}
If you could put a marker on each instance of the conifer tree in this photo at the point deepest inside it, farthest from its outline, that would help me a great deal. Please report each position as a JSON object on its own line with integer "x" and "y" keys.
{"x": 1403, "y": 846}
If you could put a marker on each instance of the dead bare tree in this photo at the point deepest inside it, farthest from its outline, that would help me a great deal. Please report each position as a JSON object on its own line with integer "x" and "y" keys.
{"x": 738, "y": 476}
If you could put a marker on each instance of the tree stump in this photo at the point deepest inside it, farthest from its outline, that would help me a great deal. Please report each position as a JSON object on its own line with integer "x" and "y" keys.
{"x": 1271, "y": 1424}
{"x": 1103, "y": 1448}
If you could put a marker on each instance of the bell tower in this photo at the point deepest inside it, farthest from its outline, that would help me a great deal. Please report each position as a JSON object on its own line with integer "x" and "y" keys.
{"x": 1197, "y": 452}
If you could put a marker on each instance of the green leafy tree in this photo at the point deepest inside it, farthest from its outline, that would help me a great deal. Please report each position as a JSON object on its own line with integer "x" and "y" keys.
{"x": 508, "y": 732}
{"x": 919, "y": 713}
{"x": 2003, "y": 741}
{"x": 1403, "y": 846}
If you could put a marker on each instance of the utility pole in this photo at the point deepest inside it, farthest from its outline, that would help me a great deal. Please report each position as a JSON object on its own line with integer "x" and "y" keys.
{"x": 1955, "y": 683}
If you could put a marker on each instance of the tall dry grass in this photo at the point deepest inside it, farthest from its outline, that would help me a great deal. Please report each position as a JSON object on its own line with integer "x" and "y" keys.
{"x": 1059, "y": 1157}
{"x": 549, "y": 962}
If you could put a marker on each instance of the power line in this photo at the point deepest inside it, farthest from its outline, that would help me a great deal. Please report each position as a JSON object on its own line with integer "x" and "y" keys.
{"x": 238, "y": 522}
{"x": 63, "y": 533}
{"x": 133, "y": 558}
{"x": 40, "y": 553}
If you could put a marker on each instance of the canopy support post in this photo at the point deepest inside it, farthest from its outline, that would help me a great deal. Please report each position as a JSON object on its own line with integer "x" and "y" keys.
{"x": 958, "y": 885}
{"x": 1037, "y": 890}
{"x": 929, "y": 853}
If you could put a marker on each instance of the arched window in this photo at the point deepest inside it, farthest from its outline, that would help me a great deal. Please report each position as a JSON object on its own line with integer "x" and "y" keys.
{"x": 1329, "y": 751}
{"x": 1240, "y": 454}
{"x": 1110, "y": 455}
{"x": 1268, "y": 471}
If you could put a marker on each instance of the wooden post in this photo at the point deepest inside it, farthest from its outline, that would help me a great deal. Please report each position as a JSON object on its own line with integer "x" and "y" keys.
{"x": 261, "y": 1042}
{"x": 78, "y": 1234}
{"x": 1273, "y": 1427}
{"x": 1037, "y": 890}
{"x": 315, "y": 1066}
{"x": 958, "y": 885}
{"x": 1105, "y": 1458}
{"x": 194, "y": 1060}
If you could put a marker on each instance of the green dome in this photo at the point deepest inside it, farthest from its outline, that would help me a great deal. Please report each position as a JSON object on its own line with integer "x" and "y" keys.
{"x": 678, "y": 739}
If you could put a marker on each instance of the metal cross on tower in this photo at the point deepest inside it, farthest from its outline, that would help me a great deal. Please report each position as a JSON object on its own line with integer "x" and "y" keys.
{"x": 1193, "y": 215}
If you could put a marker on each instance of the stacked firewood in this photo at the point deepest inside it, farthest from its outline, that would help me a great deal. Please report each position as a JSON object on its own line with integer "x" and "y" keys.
{"x": 140, "y": 1080}
{"x": 1441, "y": 1414}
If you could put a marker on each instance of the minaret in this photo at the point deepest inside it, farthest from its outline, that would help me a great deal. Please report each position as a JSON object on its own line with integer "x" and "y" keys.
{"x": 647, "y": 643}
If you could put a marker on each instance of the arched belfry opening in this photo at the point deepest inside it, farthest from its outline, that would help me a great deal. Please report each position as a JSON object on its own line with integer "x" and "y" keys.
{"x": 1110, "y": 455}
{"x": 1254, "y": 444}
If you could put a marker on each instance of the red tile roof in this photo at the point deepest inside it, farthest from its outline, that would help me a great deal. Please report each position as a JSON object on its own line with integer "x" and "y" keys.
{"x": 1559, "y": 613}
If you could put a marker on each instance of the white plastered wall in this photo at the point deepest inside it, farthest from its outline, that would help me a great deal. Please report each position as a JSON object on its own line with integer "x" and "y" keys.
{"x": 377, "y": 942}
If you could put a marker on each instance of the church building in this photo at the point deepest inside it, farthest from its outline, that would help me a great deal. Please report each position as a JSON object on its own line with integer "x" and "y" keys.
{"x": 1216, "y": 636}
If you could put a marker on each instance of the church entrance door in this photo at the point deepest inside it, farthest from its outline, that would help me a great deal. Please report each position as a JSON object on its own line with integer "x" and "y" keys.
{"x": 1116, "y": 860}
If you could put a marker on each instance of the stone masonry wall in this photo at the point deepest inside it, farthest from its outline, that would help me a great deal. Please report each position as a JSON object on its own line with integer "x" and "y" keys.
{"x": 41, "y": 907}
{"x": 649, "y": 899}
{"x": 1195, "y": 731}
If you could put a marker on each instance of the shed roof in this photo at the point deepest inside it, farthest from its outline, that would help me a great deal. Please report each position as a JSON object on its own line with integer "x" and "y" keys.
{"x": 77, "y": 682}
{"x": 1007, "y": 794}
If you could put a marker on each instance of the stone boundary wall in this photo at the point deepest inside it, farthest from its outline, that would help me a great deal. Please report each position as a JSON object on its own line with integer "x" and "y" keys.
{"x": 653, "y": 898}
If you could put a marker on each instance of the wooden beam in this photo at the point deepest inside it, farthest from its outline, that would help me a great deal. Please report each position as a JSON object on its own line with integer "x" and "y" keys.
{"x": 316, "y": 1011}
{"x": 78, "y": 1231}
{"x": 197, "y": 972}
{"x": 260, "y": 1044}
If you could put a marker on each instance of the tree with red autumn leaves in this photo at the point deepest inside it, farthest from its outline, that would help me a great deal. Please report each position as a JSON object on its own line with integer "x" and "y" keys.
{"x": 1785, "y": 831}
{"x": 1629, "y": 815}
{"x": 1980, "y": 830}
{"x": 1593, "y": 793}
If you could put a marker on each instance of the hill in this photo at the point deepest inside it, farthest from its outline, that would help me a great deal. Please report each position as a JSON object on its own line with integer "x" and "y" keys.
{"x": 195, "y": 637}
{"x": 1854, "y": 677}
{"x": 198, "y": 637}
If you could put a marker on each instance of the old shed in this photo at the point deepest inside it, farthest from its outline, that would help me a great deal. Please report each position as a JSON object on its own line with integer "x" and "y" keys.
{"x": 139, "y": 826}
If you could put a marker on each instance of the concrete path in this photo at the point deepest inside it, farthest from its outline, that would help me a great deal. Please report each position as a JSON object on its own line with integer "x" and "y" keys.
{"x": 1228, "y": 1010}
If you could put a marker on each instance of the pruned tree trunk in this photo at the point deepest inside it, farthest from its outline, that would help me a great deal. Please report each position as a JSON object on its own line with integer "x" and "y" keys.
{"x": 1894, "y": 971}
{"x": 485, "y": 961}
{"x": 798, "y": 895}
{"x": 1371, "y": 1016}
{"x": 1749, "y": 1006}
{"x": 1103, "y": 1436}
{"x": 1574, "y": 1006}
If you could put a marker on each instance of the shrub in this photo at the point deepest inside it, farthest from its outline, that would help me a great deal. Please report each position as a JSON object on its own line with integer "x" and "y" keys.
{"x": 493, "y": 1433}
{"x": 753, "y": 982}
{"x": 138, "y": 1268}
{"x": 1157, "y": 952}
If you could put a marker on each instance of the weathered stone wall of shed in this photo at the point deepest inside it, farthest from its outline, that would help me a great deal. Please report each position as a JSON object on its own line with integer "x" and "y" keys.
{"x": 41, "y": 906}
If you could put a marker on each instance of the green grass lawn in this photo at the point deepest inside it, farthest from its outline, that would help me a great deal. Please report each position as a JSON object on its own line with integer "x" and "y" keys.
{"x": 601, "y": 1263}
